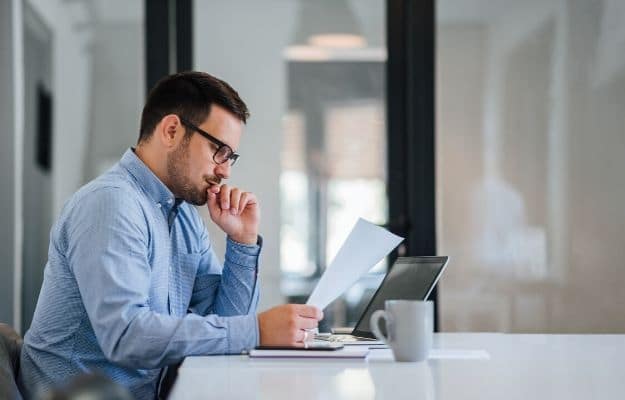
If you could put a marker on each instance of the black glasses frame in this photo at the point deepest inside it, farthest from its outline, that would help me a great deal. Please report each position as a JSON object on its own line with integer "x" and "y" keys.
{"x": 232, "y": 157}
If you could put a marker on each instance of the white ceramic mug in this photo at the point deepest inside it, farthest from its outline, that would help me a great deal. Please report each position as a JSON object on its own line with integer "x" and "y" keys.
{"x": 409, "y": 327}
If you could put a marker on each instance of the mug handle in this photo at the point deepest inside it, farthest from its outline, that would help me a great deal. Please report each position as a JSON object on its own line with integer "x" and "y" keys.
{"x": 375, "y": 327}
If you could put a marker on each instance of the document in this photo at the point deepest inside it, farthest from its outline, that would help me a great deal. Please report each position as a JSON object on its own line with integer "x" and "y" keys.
{"x": 343, "y": 353}
{"x": 364, "y": 247}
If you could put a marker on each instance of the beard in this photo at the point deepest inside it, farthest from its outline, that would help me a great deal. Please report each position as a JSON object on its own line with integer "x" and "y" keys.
{"x": 180, "y": 184}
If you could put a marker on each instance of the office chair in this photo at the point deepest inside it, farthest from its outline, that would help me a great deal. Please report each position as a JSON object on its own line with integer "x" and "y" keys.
{"x": 10, "y": 348}
{"x": 85, "y": 386}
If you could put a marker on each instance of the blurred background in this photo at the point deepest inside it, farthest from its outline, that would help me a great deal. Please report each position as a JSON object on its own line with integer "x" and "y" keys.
{"x": 511, "y": 160}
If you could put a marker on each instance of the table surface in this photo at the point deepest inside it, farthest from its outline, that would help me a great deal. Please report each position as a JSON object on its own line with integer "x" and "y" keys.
{"x": 520, "y": 367}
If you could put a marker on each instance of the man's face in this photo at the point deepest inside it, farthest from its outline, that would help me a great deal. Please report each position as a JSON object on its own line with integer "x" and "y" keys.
{"x": 190, "y": 166}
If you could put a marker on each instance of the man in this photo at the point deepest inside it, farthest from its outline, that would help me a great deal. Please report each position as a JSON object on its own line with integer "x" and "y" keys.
{"x": 132, "y": 283}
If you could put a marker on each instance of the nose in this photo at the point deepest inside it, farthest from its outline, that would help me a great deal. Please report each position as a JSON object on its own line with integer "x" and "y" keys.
{"x": 223, "y": 170}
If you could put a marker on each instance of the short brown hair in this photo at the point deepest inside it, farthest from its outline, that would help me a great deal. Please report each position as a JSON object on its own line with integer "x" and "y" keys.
{"x": 190, "y": 95}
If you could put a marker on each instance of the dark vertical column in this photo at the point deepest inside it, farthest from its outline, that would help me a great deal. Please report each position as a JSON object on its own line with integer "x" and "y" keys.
{"x": 184, "y": 35}
{"x": 157, "y": 46}
{"x": 411, "y": 129}
{"x": 168, "y": 38}
{"x": 396, "y": 121}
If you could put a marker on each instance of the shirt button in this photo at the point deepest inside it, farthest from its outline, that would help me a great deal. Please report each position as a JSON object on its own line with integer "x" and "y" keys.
{"x": 158, "y": 205}
{"x": 170, "y": 201}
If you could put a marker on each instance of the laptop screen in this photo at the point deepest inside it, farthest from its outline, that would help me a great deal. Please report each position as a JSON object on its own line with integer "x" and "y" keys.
{"x": 410, "y": 278}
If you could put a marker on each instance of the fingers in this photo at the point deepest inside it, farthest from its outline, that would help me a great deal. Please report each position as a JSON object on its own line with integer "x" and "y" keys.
{"x": 300, "y": 322}
{"x": 305, "y": 318}
{"x": 234, "y": 200}
{"x": 247, "y": 199}
{"x": 224, "y": 197}
{"x": 285, "y": 324}
{"x": 212, "y": 202}
{"x": 304, "y": 336}
{"x": 307, "y": 311}
{"x": 307, "y": 323}
{"x": 300, "y": 336}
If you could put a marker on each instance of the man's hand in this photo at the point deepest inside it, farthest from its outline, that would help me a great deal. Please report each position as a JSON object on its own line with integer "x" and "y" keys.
{"x": 236, "y": 212}
{"x": 285, "y": 325}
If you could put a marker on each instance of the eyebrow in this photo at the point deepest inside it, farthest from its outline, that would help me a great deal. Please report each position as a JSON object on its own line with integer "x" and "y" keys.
{"x": 207, "y": 135}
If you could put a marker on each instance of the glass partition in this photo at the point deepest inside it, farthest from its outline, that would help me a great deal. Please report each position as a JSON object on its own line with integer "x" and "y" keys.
{"x": 530, "y": 148}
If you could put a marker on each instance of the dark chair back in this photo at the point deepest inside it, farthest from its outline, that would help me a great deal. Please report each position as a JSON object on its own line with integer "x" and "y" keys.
{"x": 10, "y": 348}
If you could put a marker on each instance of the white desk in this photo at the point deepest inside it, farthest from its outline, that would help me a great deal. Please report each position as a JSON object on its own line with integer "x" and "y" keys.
{"x": 520, "y": 367}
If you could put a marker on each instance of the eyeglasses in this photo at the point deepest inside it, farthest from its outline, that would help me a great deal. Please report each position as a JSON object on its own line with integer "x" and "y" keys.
{"x": 224, "y": 153}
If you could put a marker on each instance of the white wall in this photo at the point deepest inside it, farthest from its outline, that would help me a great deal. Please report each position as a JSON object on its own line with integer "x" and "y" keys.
{"x": 242, "y": 42}
{"x": 71, "y": 87}
{"x": 118, "y": 92}
{"x": 37, "y": 182}
{"x": 11, "y": 115}
{"x": 70, "y": 69}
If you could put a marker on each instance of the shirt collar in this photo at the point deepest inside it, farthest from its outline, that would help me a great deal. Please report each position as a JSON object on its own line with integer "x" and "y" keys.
{"x": 150, "y": 183}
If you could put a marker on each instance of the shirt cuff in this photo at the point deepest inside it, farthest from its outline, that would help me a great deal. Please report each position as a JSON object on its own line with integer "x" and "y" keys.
{"x": 243, "y": 333}
{"x": 245, "y": 255}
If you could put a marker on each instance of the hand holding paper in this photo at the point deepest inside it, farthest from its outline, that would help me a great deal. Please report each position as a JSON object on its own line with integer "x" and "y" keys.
{"x": 366, "y": 244}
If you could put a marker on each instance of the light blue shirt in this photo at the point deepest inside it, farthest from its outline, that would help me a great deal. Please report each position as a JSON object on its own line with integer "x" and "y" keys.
{"x": 132, "y": 285}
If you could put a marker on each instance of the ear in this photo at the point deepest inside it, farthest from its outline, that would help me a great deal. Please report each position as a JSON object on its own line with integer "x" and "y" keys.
{"x": 170, "y": 131}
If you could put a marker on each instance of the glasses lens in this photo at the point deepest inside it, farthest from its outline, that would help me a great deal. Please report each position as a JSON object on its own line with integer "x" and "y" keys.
{"x": 223, "y": 154}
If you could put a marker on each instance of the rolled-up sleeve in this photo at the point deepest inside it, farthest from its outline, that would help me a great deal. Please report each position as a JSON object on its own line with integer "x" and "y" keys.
{"x": 108, "y": 257}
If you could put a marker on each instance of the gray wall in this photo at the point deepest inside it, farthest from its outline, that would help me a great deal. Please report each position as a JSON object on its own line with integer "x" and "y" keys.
{"x": 89, "y": 55}
{"x": 57, "y": 53}
{"x": 37, "y": 183}
{"x": 242, "y": 43}
{"x": 10, "y": 196}
{"x": 118, "y": 93}
{"x": 71, "y": 75}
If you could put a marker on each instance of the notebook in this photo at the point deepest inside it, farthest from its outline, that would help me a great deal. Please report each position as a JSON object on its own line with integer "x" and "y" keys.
{"x": 347, "y": 352}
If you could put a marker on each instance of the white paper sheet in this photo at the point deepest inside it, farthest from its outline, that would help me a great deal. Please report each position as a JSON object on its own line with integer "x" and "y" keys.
{"x": 366, "y": 244}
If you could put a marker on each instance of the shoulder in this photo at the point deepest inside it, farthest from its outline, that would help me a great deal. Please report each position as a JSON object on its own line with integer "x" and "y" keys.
{"x": 106, "y": 208}
{"x": 106, "y": 196}
{"x": 105, "y": 201}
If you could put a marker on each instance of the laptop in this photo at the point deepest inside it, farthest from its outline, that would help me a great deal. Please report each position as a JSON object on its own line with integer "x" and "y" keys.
{"x": 410, "y": 278}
